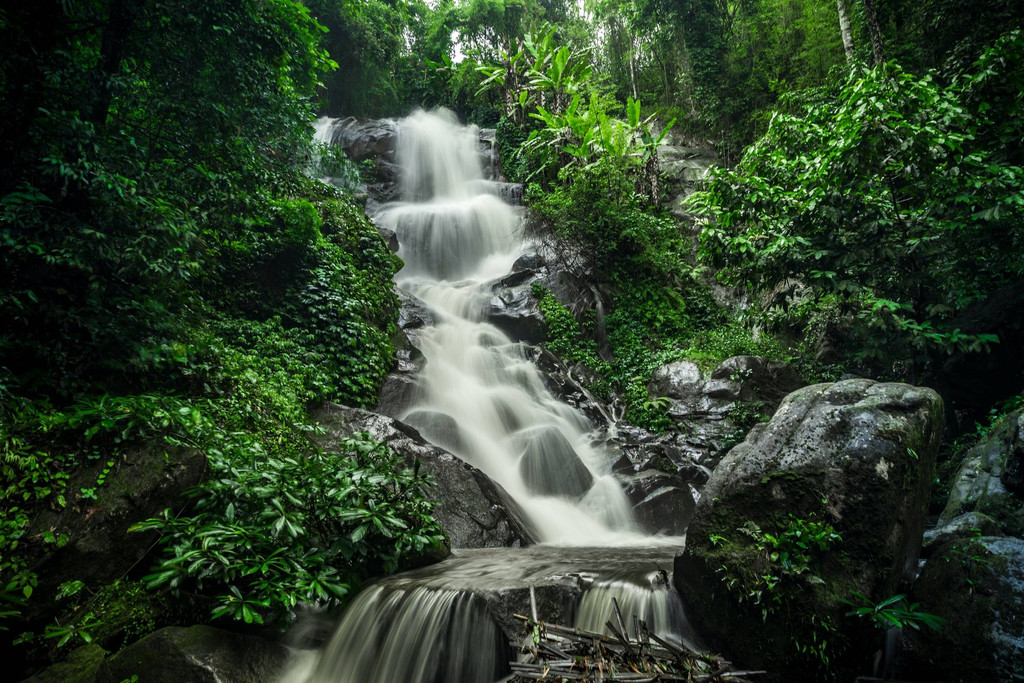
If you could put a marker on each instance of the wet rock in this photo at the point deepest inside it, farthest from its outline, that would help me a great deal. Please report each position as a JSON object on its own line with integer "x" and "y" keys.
{"x": 856, "y": 454}
{"x": 513, "y": 309}
{"x": 662, "y": 503}
{"x": 400, "y": 391}
{"x": 198, "y": 654}
{"x": 978, "y": 587}
{"x": 967, "y": 526}
{"x": 550, "y": 466}
{"x": 989, "y": 479}
{"x": 142, "y": 483}
{"x": 390, "y": 238}
{"x": 382, "y": 193}
{"x": 568, "y": 385}
{"x": 365, "y": 139}
{"x": 510, "y": 193}
{"x": 474, "y": 511}
{"x": 440, "y": 429}
{"x": 529, "y": 261}
{"x": 414, "y": 316}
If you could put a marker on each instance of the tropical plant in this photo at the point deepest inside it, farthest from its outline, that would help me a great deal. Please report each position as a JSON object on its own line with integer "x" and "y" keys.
{"x": 885, "y": 195}
{"x": 272, "y": 531}
{"x": 894, "y": 611}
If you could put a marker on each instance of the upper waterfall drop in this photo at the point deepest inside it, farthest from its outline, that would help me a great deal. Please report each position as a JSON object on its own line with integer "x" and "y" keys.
{"x": 479, "y": 394}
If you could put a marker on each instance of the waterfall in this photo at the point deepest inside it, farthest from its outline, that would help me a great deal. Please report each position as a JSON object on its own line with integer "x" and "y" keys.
{"x": 456, "y": 236}
{"x": 648, "y": 597}
{"x": 482, "y": 398}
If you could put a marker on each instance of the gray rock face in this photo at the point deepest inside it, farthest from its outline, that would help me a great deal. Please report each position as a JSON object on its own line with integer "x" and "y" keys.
{"x": 978, "y": 587}
{"x": 856, "y": 454}
{"x": 683, "y": 168}
{"x": 414, "y": 316}
{"x": 967, "y": 526}
{"x": 399, "y": 391}
{"x": 662, "y": 503}
{"x": 550, "y": 466}
{"x": 568, "y": 383}
{"x": 756, "y": 377}
{"x": 198, "y": 654}
{"x": 473, "y": 510}
{"x": 682, "y": 380}
{"x": 365, "y": 139}
{"x": 513, "y": 309}
{"x": 439, "y": 428}
{"x": 712, "y": 411}
{"x": 147, "y": 480}
{"x": 989, "y": 479}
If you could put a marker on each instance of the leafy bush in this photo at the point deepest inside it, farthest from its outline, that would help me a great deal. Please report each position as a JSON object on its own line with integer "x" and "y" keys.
{"x": 894, "y": 611}
{"x": 271, "y": 530}
{"x": 885, "y": 197}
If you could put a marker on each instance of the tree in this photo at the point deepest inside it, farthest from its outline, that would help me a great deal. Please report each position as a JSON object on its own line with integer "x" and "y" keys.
{"x": 844, "y": 29}
{"x": 894, "y": 197}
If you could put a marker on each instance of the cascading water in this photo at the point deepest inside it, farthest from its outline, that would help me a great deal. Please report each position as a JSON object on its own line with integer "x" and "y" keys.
{"x": 477, "y": 385}
{"x": 480, "y": 397}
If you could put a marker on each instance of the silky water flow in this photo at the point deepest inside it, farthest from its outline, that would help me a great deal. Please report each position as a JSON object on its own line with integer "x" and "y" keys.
{"x": 480, "y": 397}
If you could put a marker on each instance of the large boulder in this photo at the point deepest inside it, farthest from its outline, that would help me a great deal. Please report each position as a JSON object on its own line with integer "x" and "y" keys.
{"x": 198, "y": 654}
{"x": 989, "y": 480}
{"x": 140, "y": 484}
{"x": 977, "y": 585}
{"x": 763, "y": 569}
{"x": 549, "y": 464}
{"x": 662, "y": 503}
{"x": 474, "y": 511}
{"x": 365, "y": 139}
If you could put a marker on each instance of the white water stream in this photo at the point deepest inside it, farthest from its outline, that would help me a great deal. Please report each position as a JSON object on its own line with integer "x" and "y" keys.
{"x": 483, "y": 399}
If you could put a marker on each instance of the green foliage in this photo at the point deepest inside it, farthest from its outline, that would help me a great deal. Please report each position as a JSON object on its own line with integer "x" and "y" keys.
{"x": 775, "y": 570}
{"x": 271, "y": 530}
{"x": 793, "y": 551}
{"x": 885, "y": 198}
{"x": 894, "y": 611}
{"x": 172, "y": 274}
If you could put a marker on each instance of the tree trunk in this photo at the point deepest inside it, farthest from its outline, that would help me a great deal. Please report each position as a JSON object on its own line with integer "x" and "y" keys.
{"x": 844, "y": 29}
{"x": 632, "y": 71}
{"x": 871, "y": 15}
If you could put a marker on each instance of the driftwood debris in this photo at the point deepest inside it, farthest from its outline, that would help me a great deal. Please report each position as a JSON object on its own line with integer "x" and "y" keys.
{"x": 554, "y": 654}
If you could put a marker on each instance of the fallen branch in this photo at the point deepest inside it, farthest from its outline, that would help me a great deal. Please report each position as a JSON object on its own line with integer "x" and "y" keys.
{"x": 557, "y": 653}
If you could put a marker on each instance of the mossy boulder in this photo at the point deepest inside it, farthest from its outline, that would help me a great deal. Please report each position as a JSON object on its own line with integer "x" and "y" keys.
{"x": 81, "y": 666}
{"x": 763, "y": 572}
{"x": 99, "y": 549}
{"x": 990, "y": 480}
{"x": 197, "y": 654}
{"x": 977, "y": 585}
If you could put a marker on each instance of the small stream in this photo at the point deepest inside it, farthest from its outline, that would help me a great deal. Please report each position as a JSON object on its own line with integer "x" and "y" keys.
{"x": 480, "y": 397}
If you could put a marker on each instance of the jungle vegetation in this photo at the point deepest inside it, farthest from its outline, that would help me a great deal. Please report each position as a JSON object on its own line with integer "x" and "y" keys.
{"x": 173, "y": 274}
